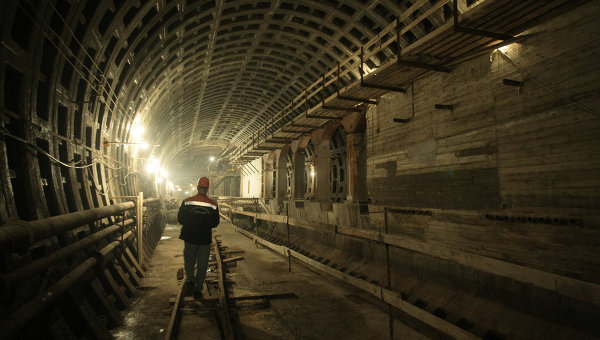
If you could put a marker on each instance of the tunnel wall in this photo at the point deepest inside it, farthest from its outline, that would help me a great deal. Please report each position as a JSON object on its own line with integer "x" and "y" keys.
{"x": 251, "y": 179}
{"x": 509, "y": 173}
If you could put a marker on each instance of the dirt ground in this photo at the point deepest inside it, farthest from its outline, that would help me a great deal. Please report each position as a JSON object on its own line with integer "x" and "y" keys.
{"x": 322, "y": 307}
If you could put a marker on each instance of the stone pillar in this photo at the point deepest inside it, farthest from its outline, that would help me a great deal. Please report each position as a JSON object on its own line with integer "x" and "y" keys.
{"x": 268, "y": 181}
{"x": 322, "y": 168}
{"x": 356, "y": 157}
{"x": 356, "y": 175}
{"x": 281, "y": 190}
{"x": 298, "y": 173}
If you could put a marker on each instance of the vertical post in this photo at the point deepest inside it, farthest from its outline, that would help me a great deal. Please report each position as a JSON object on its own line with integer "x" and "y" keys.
{"x": 255, "y": 214}
{"x": 323, "y": 91}
{"x": 398, "y": 38}
{"x": 360, "y": 67}
{"x": 306, "y": 102}
{"x": 140, "y": 223}
{"x": 455, "y": 12}
{"x": 338, "y": 79}
{"x": 389, "y": 279}
{"x": 122, "y": 226}
{"x": 287, "y": 224}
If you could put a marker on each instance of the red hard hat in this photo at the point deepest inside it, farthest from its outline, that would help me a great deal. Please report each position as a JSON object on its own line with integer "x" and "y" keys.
{"x": 203, "y": 182}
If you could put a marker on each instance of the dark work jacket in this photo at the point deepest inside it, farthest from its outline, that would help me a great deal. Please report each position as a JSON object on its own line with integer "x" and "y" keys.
{"x": 198, "y": 214}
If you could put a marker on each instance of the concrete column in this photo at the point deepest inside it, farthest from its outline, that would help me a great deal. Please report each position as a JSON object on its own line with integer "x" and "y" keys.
{"x": 356, "y": 175}
{"x": 281, "y": 190}
{"x": 268, "y": 181}
{"x": 356, "y": 157}
{"x": 298, "y": 173}
{"x": 322, "y": 169}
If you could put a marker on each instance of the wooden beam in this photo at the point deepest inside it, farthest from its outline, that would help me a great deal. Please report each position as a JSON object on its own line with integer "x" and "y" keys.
{"x": 443, "y": 327}
{"x": 323, "y": 117}
{"x": 357, "y": 99}
{"x": 174, "y": 320}
{"x": 577, "y": 289}
{"x": 228, "y": 333}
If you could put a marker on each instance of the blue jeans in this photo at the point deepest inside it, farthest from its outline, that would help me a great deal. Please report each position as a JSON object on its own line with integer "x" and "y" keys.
{"x": 196, "y": 254}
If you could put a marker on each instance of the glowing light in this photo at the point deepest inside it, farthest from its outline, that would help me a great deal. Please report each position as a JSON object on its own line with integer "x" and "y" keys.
{"x": 152, "y": 165}
{"x": 137, "y": 132}
{"x": 178, "y": 189}
{"x": 187, "y": 192}
{"x": 144, "y": 145}
{"x": 163, "y": 173}
{"x": 212, "y": 158}
{"x": 312, "y": 173}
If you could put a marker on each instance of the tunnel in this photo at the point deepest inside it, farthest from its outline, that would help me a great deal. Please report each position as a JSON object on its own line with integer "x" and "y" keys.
{"x": 380, "y": 169}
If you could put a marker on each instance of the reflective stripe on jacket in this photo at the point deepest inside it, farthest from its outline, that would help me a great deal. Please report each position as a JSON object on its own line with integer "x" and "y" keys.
{"x": 198, "y": 214}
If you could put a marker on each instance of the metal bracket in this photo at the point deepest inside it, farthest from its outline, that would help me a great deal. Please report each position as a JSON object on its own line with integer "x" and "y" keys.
{"x": 292, "y": 124}
{"x": 356, "y": 99}
{"x": 372, "y": 85}
{"x": 417, "y": 64}
{"x": 340, "y": 108}
{"x": 323, "y": 117}
{"x": 402, "y": 120}
{"x": 511, "y": 82}
{"x": 294, "y": 131}
{"x": 382, "y": 87}
{"x": 444, "y": 107}
{"x": 278, "y": 140}
{"x": 483, "y": 33}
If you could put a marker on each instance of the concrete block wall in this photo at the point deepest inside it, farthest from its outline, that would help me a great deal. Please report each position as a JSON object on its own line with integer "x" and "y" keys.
{"x": 511, "y": 173}
{"x": 251, "y": 179}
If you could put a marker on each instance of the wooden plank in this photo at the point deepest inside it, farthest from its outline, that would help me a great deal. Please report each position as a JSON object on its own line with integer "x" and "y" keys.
{"x": 175, "y": 314}
{"x": 227, "y": 328}
{"x": 87, "y": 313}
{"x": 130, "y": 271}
{"x": 135, "y": 262}
{"x": 386, "y": 295}
{"x": 227, "y": 260}
{"x": 116, "y": 289}
{"x": 129, "y": 288}
{"x": 114, "y": 318}
{"x": 243, "y": 297}
{"x": 577, "y": 289}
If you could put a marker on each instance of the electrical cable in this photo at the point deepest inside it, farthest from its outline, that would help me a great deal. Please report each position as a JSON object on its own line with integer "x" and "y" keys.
{"x": 56, "y": 160}
{"x": 45, "y": 29}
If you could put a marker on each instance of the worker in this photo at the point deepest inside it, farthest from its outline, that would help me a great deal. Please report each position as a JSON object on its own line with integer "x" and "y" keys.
{"x": 198, "y": 214}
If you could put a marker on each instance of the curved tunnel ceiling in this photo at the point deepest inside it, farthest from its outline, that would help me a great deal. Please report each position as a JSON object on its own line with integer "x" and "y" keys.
{"x": 202, "y": 76}
{"x": 218, "y": 71}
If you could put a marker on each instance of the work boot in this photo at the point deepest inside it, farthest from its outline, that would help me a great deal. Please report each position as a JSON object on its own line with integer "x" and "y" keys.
{"x": 197, "y": 294}
{"x": 188, "y": 288}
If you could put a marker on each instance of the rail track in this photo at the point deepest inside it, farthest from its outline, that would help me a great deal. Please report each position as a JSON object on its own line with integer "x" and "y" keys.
{"x": 216, "y": 313}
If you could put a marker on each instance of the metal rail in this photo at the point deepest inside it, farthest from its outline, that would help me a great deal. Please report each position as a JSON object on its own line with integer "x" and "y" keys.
{"x": 223, "y": 306}
{"x": 113, "y": 240}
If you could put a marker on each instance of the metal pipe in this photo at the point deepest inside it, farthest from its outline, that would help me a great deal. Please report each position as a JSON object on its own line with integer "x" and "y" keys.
{"x": 22, "y": 316}
{"x": 11, "y": 325}
{"x": 150, "y": 201}
{"x": 25, "y": 233}
{"x": 111, "y": 246}
{"x": 43, "y": 263}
